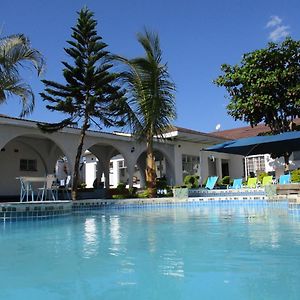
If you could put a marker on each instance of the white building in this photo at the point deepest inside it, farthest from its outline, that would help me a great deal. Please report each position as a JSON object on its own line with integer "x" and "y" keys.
{"x": 26, "y": 151}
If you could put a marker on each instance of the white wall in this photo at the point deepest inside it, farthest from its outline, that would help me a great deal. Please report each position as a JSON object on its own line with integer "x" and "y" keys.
{"x": 10, "y": 167}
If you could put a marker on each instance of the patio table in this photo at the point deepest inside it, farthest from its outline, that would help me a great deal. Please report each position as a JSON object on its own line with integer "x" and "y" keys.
{"x": 26, "y": 186}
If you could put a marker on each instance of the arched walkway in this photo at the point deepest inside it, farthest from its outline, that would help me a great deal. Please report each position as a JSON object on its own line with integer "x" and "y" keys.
{"x": 26, "y": 155}
{"x": 106, "y": 164}
{"x": 164, "y": 167}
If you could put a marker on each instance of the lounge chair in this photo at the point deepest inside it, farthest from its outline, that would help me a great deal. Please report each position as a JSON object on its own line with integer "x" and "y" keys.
{"x": 237, "y": 183}
{"x": 211, "y": 182}
{"x": 285, "y": 179}
{"x": 252, "y": 182}
{"x": 267, "y": 180}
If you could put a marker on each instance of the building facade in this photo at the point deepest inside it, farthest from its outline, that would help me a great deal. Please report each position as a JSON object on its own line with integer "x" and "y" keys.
{"x": 109, "y": 157}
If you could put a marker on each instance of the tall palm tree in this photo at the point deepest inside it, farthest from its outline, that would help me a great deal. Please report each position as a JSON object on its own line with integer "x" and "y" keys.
{"x": 150, "y": 105}
{"x": 16, "y": 53}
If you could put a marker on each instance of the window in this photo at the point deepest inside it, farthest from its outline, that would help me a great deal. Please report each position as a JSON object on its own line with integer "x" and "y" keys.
{"x": 28, "y": 165}
{"x": 190, "y": 165}
{"x": 121, "y": 164}
{"x": 255, "y": 164}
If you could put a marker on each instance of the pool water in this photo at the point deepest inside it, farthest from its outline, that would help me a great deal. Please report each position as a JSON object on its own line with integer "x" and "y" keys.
{"x": 199, "y": 252}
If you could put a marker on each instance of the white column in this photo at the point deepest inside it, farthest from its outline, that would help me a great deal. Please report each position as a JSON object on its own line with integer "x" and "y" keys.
{"x": 219, "y": 167}
{"x": 130, "y": 170}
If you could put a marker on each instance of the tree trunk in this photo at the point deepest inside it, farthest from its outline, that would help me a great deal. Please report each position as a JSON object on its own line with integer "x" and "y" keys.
{"x": 150, "y": 168}
{"x": 77, "y": 159}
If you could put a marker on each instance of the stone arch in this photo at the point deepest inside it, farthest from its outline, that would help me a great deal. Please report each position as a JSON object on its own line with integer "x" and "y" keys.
{"x": 168, "y": 170}
{"x": 100, "y": 169}
{"x": 38, "y": 150}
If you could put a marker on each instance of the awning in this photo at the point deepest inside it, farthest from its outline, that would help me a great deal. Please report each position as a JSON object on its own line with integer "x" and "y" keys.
{"x": 279, "y": 143}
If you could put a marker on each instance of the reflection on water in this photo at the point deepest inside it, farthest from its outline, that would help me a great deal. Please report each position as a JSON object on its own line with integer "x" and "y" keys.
{"x": 91, "y": 240}
{"x": 172, "y": 264}
{"x": 115, "y": 235}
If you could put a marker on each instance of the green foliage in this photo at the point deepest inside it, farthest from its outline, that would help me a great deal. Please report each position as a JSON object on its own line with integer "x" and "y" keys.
{"x": 90, "y": 94}
{"x": 90, "y": 90}
{"x": 132, "y": 192}
{"x": 295, "y": 175}
{"x": 261, "y": 176}
{"x": 121, "y": 187}
{"x": 225, "y": 180}
{"x": 119, "y": 196}
{"x": 121, "y": 192}
{"x": 82, "y": 185}
{"x": 144, "y": 194}
{"x": 161, "y": 183}
{"x": 191, "y": 181}
{"x": 16, "y": 53}
{"x": 150, "y": 105}
{"x": 265, "y": 86}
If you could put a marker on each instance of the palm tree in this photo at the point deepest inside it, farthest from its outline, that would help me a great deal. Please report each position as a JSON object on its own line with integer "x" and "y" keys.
{"x": 16, "y": 53}
{"x": 150, "y": 105}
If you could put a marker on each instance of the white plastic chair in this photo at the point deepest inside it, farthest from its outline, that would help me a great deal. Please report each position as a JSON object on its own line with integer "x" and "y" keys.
{"x": 26, "y": 188}
{"x": 47, "y": 190}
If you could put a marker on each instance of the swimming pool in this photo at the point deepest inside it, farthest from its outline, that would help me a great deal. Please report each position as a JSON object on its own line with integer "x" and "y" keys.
{"x": 209, "y": 251}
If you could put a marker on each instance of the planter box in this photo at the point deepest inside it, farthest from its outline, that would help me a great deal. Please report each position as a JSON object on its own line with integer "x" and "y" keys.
{"x": 181, "y": 193}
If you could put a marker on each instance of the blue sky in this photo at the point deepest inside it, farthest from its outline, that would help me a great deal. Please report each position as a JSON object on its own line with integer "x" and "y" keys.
{"x": 196, "y": 38}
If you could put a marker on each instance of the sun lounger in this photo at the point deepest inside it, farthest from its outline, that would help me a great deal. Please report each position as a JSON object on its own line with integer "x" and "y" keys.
{"x": 267, "y": 180}
{"x": 285, "y": 179}
{"x": 237, "y": 183}
{"x": 252, "y": 182}
{"x": 211, "y": 182}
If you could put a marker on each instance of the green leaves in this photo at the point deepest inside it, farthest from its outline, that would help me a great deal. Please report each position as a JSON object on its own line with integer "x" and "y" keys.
{"x": 90, "y": 90}
{"x": 150, "y": 107}
{"x": 265, "y": 86}
{"x": 15, "y": 53}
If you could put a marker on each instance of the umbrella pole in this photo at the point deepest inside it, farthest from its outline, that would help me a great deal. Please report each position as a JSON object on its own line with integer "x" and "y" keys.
{"x": 286, "y": 156}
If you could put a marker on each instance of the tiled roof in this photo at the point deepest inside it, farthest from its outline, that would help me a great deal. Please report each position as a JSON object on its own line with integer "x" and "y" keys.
{"x": 191, "y": 131}
{"x": 243, "y": 132}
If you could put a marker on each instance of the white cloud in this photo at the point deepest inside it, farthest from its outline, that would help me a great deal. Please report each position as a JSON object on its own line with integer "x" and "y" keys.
{"x": 279, "y": 33}
{"x": 278, "y": 29}
{"x": 274, "y": 21}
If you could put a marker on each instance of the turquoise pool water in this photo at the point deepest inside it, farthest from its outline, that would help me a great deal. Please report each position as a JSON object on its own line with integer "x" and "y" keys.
{"x": 199, "y": 252}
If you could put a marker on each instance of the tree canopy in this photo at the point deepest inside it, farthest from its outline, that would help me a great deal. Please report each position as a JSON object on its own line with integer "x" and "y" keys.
{"x": 265, "y": 86}
{"x": 90, "y": 94}
{"x": 150, "y": 105}
{"x": 15, "y": 54}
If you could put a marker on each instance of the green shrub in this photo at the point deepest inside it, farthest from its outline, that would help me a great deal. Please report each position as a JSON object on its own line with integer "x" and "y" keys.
{"x": 121, "y": 187}
{"x": 132, "y": 192}
{"x": 225, "y": 180}
{"x": 295, "y": 175}
{"x": 261, "y": 176}
{"x": 119, "y": 196}
{"x": 82, "y": 185}
{"x": 143, "y": 194}
{"x": 191, "y": 181}
{"x": 161, "y": 183}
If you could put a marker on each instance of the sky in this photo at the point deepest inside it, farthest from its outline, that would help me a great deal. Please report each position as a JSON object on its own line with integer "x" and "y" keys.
{"x": 196, "y": 36}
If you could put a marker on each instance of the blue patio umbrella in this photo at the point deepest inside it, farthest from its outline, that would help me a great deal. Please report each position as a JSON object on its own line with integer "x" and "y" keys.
{"x": 279, "y": 143}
